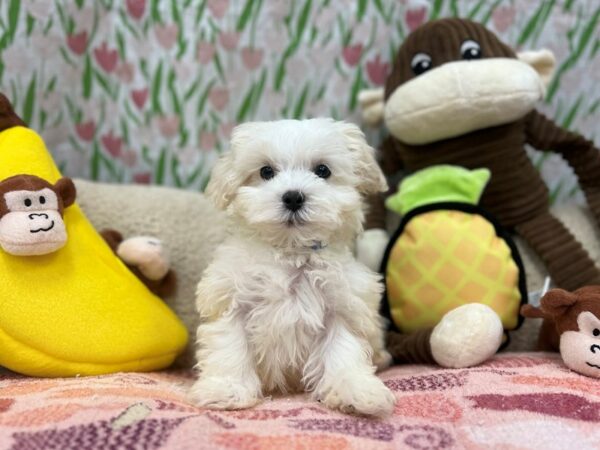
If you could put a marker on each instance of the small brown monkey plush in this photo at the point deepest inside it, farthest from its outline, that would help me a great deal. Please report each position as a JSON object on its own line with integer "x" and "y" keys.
{"x": 458, "y": 95}
{"x": 577, "y": 319}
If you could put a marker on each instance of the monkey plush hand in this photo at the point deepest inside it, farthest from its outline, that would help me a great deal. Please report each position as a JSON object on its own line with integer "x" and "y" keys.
{"x": 458, "y": 95}
{"x": 31, "y": 214}
{"x": 147, "y": 258}
{"x": 577, "y": 319}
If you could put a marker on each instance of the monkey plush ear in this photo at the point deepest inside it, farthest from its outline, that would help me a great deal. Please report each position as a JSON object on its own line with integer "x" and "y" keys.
{"x": 543, "y": 61}
{"x": 371, "y": 103}
{"x": 366, "y": 169}
{"x": 556, "y": 302}
{"x": 65, "y": 189}
{"x": 532, "y": 312}
{"x": 8, "y": 117}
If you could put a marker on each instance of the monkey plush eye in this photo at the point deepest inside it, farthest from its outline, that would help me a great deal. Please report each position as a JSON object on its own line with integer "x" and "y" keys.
{"x": 27, "y": 202}
{"x": 267, "y": 172}
{"x": 420, "y": 63}
{"x": 42, "y": 199}
{"x": 470, "y": 50}
{"x": 596, "y": 332}
{"x": 322, "y": 171}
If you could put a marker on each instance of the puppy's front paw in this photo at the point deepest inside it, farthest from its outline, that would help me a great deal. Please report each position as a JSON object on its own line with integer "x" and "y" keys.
{"x": 466, "y": 336}
{"x": 223, "y": 393}
{"x": 382, "y": 359}
{"x": 366, "y": 396}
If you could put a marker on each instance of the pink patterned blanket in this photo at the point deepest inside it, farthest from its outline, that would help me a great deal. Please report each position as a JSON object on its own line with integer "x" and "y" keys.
{"x": 515, "y": 401}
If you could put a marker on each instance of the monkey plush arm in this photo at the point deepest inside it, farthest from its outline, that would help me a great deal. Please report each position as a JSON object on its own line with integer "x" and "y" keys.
{"x": 371, "y": 245}
{"x": 391, "y": 163}
{"x": 580, "y": 153}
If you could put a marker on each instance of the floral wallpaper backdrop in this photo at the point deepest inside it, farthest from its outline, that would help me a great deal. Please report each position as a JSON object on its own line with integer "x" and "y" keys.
{"x": 149, "y": 90}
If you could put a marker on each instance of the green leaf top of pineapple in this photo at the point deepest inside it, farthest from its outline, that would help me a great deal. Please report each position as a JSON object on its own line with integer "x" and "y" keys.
{"x": 439, "y": 184}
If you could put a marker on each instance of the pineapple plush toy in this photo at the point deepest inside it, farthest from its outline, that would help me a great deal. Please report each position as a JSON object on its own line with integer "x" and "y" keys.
{"x": 450, "y": 270}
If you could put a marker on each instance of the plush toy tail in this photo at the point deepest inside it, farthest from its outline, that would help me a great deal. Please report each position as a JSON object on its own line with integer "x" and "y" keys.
{"x": 8, "y": 117}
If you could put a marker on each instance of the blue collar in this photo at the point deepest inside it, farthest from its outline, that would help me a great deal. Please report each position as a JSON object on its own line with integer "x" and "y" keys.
{"x": 317, "y": 245}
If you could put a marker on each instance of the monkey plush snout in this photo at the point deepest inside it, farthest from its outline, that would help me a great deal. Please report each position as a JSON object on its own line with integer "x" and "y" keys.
{"x": 462, "y": 96}
{"x": 27, "y": 234}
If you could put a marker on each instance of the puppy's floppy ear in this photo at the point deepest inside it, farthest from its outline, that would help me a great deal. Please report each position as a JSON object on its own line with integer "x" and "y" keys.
{"x": 367, "y": 169}
{"x": 222, "y": 185}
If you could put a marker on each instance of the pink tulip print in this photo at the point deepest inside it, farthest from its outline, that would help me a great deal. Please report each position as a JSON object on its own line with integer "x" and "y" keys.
{"x": 106, "y": 58}
{"x": 112, "y": 144}
{"x": 129, "y": 158}
{"x": 125, "y": 88}
{"x": 503, "y": 17}
{"x": 77, "y": 42}
{"x": 226, "y": 129}
{"x": 86, "y": 130}
{"x": 229, "y": 39}
{"x": 208, "y": 141}
{"x": 205, "y": 52}
{"x": 352, "y": 54}
{"x": 219, "y": 97}
{"x": 377, "y": 70}
{"x": 166, "y": 35}
{"x": 139, "y": 97}
{"x": 415, "y": 17}
{"x": 168, "y": 125}
{"x": 142, "y": 178}
{"x": 125, "y": 72}
{"x": 218, "y": 8}
{"x": 136, "y": 8}
{"x": 252, "y": 57}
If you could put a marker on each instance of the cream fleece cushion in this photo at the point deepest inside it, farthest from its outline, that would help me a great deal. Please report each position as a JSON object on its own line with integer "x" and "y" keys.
{"x": 191, "y": 228}
{"x": 186, "y": 222}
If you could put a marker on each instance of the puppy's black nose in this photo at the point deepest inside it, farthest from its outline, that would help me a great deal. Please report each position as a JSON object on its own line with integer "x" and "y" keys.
{"x": 293, "y": 200}
{"x": 594, "y": 348}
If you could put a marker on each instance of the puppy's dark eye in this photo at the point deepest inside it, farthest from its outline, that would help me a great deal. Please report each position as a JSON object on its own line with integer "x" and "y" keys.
{"x": 42, "y": 199}
{"x": 420, "y": 63}
{"x": 267, "y": 172}
{"x": 596, "y": 332}
{"x": 322, "y": 171}
{"x": 470, "y": 50}
{"x": 27, "y": 202}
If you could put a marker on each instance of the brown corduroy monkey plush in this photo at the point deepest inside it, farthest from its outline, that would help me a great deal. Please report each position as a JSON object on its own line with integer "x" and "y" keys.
{"x": 458, "y": 95}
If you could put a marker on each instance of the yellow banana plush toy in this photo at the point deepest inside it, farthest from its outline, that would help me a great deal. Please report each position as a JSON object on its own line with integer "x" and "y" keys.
{"x": 68, "y": 304}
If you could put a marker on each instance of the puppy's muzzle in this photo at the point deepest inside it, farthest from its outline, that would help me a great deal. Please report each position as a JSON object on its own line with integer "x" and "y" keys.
{"x": 293, "y": 200}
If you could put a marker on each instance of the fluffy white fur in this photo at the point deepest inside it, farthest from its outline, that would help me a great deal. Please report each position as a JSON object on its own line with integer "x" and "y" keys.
{"x": 285, "y": 306}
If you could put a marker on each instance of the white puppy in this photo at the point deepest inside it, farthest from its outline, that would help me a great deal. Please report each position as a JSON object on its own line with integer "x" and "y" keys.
{"x": 285, "y": 306}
